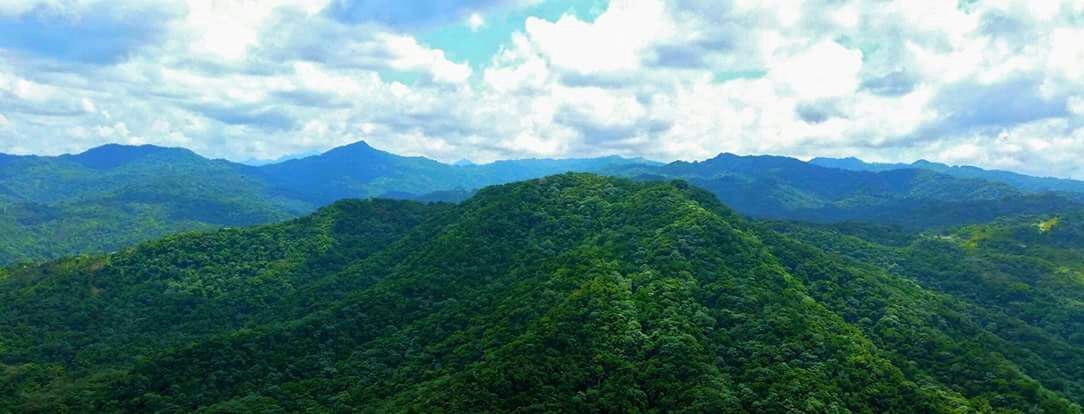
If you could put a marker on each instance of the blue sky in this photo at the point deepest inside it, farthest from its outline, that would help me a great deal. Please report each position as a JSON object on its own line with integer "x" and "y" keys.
{"x": 992, "y": 83}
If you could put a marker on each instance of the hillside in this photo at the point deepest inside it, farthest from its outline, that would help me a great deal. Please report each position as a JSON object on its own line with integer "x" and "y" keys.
{"x": 571, "y": 293}
{"x": 114, "y": 196}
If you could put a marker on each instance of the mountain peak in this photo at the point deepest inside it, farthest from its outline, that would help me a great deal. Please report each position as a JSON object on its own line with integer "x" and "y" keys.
{"x": 848, "y": 163}
{"x": 354, "y": 147}
{"x": 724, "y": 156}
{"x": 464, "y": 163}
{"x": 354, "y": 152}
{"x": 114, "y": 155}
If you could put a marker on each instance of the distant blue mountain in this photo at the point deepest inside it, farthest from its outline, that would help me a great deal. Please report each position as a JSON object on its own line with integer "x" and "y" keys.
{"x": 463, "y": 163}
{"x": 1020, "y": 181}
{"x": 114, "y": 155}
{"x": 786, "y": 188}
{"x": 359, "y": 170}
{"x": 114, "y": 196}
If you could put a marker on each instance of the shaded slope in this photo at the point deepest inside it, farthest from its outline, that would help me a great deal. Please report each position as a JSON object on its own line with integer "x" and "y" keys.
{"x": 67, "y": 322}
{"x": 934, "y": 334}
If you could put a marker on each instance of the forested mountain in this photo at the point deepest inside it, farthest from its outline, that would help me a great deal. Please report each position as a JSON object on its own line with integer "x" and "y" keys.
{"x": 114, "y": 196}
{"x": 570, "y": 293}
{"x": 788, "y": 188}
{"x": 1020, "y": 181}
{"x": 359, "y": 170}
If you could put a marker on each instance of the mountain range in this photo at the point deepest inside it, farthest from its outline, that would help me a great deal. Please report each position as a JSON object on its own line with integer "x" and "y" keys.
{"x": 568, "y": 293}
{"x": 787, "y": 188}
{"x": 115, "y": 196}
{"x": 1020, "y": 181}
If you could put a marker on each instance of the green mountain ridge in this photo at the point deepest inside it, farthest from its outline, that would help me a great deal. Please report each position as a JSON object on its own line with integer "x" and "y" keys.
{"x": 787, "y": 188}
{"x": 1020, "y": 181}
{"x": 570, "y": 293}
{"x": 114, "y": 196}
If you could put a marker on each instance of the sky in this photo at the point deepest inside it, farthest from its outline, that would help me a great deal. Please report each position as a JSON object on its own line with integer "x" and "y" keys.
{"x": 999, "y": 84}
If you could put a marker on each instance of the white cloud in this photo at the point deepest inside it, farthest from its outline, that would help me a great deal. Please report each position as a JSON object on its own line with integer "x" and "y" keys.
{"x": 1066, "y": 56}
{"x": 824, "y": 70}
{"x": 1076, "y": 105}
{"x": 994, "y": 83}
{"x": 613, "y": 42}
{"x": 4, "y": 123}
{"x": 475, "y": 21}
{"x": 407, "y": 54}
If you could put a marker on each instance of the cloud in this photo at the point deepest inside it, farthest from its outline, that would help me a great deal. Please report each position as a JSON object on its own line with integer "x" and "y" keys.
{"x": 892, "y": 84}
{"x": 268, "y": 119}
{"x": 818, "y": 112}
{"x": 83, "y": 32}
{"x": 825, "y": 69}
{"x": 969, "y": 105}
{"x": 990, "y": 83}
{"x": 475, "y": 21}
{"x": 294, "y": 36}
{"x": 404, "y": 14}
{"x": 615, "y": 41}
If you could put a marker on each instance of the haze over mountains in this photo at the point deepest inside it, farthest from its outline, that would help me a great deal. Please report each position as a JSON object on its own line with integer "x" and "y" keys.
{"x": 114, "y": 196}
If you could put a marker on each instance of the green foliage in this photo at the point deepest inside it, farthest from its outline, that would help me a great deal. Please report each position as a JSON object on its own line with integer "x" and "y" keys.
{"x": 1019, "y": 288}
{"x": 571, "y": 293}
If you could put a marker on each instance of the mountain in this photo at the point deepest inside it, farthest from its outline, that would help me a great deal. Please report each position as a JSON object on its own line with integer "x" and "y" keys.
{"x": 361, "y": 170}
{"x": 1022, "y": 182}
{"x": 114, "y": 196}
{"x": 1019, "y": 277}
{"x": 463, "y": 163}
{"x": 788, "y": 188}
{"x": 357, "y": 170}
{"x": 569, "y": 293}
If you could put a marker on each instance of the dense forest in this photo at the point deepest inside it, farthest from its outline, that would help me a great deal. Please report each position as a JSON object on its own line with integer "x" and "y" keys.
{"x": 569, "y": 293}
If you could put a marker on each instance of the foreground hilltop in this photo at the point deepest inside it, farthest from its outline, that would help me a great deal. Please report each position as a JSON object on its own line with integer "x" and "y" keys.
{"x": 567, "y": 293}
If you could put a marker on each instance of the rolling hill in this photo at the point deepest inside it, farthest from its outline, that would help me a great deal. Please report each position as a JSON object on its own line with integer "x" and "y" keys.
{"x": 567, "y": 293}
